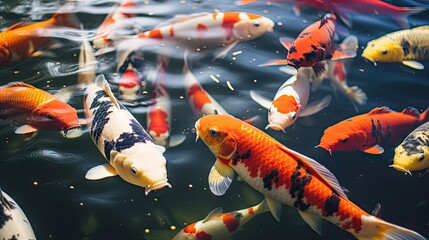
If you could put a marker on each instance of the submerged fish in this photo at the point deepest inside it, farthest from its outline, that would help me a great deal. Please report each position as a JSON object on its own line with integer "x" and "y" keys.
{"x": 312, "y": 46}
{"x": 13, "y": 222}
{"x": 370, "y": 132}
{"x": 290, "y": 102}
{"x": 413, "y": 153}
{"x": 159, "y": 113}
{"x": 346, "y": 9}
{"x": 405, "y": 46}
{"x": 36, "y": 109}
{"x": 284, "y": 176}
{"x": 131, "y": 82}
{"x": 121, "y": 139}
{"x": 218, "y": 225}
{"x": 211, "y": 30}
{"x": 24, "y": 40}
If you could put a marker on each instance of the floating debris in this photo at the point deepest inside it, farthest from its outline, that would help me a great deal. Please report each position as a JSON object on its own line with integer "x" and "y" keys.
{"x": 228, "y": 83}
{"x": 214, "y": 79}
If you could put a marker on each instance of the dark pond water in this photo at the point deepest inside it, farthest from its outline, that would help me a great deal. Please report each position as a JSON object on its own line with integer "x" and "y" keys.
{"x": 45, "y": 175}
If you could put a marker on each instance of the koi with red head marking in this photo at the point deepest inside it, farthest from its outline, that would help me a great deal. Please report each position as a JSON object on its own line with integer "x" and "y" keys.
{"x": 219, "y": 225}
{"x": 284, "y": 176}
{"x": 372, "y": 131}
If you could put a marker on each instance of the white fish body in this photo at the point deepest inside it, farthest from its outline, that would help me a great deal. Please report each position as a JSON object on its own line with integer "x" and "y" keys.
{"x": 290, "y": 101}
{"x": 13, "y": 222}
{"x": 125, "y": 144}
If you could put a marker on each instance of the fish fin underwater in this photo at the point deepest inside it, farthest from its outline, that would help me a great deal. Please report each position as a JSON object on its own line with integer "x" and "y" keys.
{"x": 377, "y": 149}
{"x": 263, "y": 101}
{"x": 275, "y": 208}
{"x": 100, "y": 172}
{"x": 315, "y": 106}
{"x": 402, "y": 14}
{"x": 220, "y": 178}
{"x": 25, "y": 129}
{"x": 414, "y": 64}
{"x": 315, "y": 222}
{"x": 65, "y": 16}
{"x": 101, "y": 82}
{"x": 176, "y": 140}
{"x": 213, "y": 214}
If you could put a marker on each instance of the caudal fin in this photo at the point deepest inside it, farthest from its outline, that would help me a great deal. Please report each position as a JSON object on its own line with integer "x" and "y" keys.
{"x": 356, "y": 95}
{"x": 424, "y": 117}
{"x": 65, "y": 16}
{"x": 376, "y": 229}
{"x": 402, "y": 14}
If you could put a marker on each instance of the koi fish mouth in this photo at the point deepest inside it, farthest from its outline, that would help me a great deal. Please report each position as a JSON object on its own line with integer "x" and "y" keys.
{"x": 71, "y": 131}
{"x": 401, "y": 169}
{"x": 365, "y": 55}
{"x": 324, "y": 147}
{"x": 157, "y": 186}
{"x": 276, "y": 127}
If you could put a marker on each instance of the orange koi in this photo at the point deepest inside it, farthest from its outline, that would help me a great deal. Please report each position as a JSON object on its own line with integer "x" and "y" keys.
{"x": 36, "y": 108}
{"x": 287, "y": 177}
{"x": 370, "y": 132}
{"x": 24, "y": 40}
{"x": 313, "y": 46}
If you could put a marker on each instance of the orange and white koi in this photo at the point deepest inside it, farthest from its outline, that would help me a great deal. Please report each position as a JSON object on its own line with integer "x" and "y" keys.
{"x": 370, "y": 132}
{"x": 159, "y": 113}
{"x": 36, "y": 108}
{"x": 211, "y": 30}
{"x": 102, "y": 39}
{"x": 218, "y": 225}
{"x": 287, "y": 177}
{"x": 290, "y": 101}
{"x": 131, "y": 82}
{"x": 337, "y": 75}
{"x": 23, "y": 40}
{"x": 313, "y": 46}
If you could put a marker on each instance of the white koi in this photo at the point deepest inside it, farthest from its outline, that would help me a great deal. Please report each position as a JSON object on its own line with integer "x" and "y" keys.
{"x": 130, "y": 151}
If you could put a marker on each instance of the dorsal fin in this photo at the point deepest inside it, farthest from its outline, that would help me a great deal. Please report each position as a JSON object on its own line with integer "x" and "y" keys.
{"x": 19, "y": 84}
{"x": 101, "y": 82}
{"x": 3, "y": 201}
{"x": 319, "y": 170}
{"x": 380, "y": 110}
{"x": 411, "y": 111}
{"x": 421, "y": 28}
{"x": 213, "y": 214}
{"x": 181, "y": 18}
{"x": 18, "y": 25}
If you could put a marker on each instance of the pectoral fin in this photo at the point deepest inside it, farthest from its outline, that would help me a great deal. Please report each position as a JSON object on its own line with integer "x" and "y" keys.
{"x": 275, "y": 208}
{"x": 213, "y": 214}
{"x": 320, "y": 69}
{"x": 220, "y": 178}
{"x": 225, "y": 51}
{"x": 343, "y": 54}
{"x": 25, "y": 129}
{"x": 100, "y": 172}
{"x": 314, "y": 221}
{"x": 373, "y": 150}
{"x": 43, "y": 54}
{"x": 414, "y": 64}
{"x": 176, "y": 140}
{"x": 315, "y": 107}
{"x": 264, "y": 102}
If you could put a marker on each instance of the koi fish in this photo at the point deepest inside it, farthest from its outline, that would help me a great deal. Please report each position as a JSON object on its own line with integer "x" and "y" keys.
{"x": 405, "y": 46}
{"x": 345, "y": 9}
{"x": 413, "y": 153}
{"x": 23, "y": 40}
{"x": 313, "y": 46}
{"x": 13, "y": 222}
{"x": 102, "y": 39}
{"x": 219, "y": 225}
{"x": 159, "y": 113}
{"x": 370, "y": 132}
{"x": 129, "y": 149}
{"x": 284, "y": 176}
{"x": 130, "y": 80}
{"x": 290, "y": 102}
{"x": 201, "y": 31}
{"x": 37, "y": 109}
{"x": 337, "y": 75}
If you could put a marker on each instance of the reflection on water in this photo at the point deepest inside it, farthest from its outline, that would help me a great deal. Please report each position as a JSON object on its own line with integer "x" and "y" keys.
{"x": 45, "y": 174}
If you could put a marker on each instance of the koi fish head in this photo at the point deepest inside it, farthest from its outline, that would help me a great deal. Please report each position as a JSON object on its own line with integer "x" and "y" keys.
{"x": 130, "y": 86}
{"x": 55, "y": 115}
{"x": 282, "y": 113}
{"x": 383, "y": 50}
{"x": 411, "y": 158}
{"x": 150, "y": 172}
{"x": 217, "y": 132}
{"x": 342, "y": 138}
{"x": 251, "y": 26}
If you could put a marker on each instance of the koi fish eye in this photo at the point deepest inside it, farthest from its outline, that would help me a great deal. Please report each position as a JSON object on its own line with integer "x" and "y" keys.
{"x": 256, "y": 24}
{"x": 213, "y": 132}
{"x": 134, "y": 170}
{"x": 422, "y": 156}
{"x": 384, "y": 51}
{"x": 344, "y": 140}
{"x": 50, "y": 116}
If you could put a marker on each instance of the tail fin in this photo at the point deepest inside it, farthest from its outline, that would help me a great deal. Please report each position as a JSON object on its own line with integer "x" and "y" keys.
{"x": 244, "y": 2}
{"x": 356, "y": 95}
{"x": 261, "y": 207}
{"x": 402, "y": 14}
{"x": 377, "y": 229}
{"x": 65, "y": 16}
{"x": 424, "y": 117}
